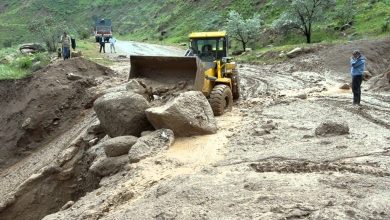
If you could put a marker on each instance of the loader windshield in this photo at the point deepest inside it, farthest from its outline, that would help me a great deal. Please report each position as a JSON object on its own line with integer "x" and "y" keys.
{"x": 209, "y": 49}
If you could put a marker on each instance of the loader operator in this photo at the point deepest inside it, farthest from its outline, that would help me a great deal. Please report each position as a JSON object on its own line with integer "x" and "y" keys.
{"x": 207, "y": 53}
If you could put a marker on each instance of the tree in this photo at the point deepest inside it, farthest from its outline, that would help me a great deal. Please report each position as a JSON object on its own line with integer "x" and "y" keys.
{"x": 301, "y": 14}
{"x": 48, "y": 30}
{"x": 346, "y": 12}
{"x": 243, "y": 30}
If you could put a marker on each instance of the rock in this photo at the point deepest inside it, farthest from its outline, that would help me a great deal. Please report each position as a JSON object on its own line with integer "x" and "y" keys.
{"x": 367, "y": 75}
{"x": 330, "y": 128}
{"x": 302, "y": 96}
{"x": 345, "y": 86}
{"x": 151, "y": 144}
{"x": 36, "y": 66}
{"x": 122, "y": 56}
{"x": 67, "y": 155}
{"x": 76, "y": 54}
{"x": 93, "y": 142}
{"x": 282, "y": 54}
{"x": 188, "y": 114}
{"x": 31, "y": 48}
{"x": 134, "y": 86}
{"x": 183, "y": 44}
{"x": 27, "y": 51}
{"x": 260, "y": 132}
{"x": 95, "y": 129}
{"x": 345, "y": 27}
{"x": 248, "y": 49}
{"x": 144, "y": 133}
{"x": 237, "y": 52}
{"x": 67, "y": 205}
{"x": 26, "y": 123}
{"x": 294, "y": 53}
{"x": 108, "y": 165}
{"x": 387, "y": 75}
{"x": 72, "y": 76}
{"x": 122, "y": 113}
{"x": 118, "y": 146}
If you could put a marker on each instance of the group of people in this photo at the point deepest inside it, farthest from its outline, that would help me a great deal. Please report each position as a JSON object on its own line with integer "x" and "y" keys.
{"x": 102, "y": 43}
{"x": 67, "y": 43}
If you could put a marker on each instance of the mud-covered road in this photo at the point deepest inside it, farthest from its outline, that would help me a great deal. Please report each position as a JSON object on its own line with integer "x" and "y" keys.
{"x": 136, "y": 48}
{"x": 266, "y": 161}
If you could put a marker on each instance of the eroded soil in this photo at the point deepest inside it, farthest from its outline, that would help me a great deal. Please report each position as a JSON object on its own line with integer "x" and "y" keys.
{"x": 266, "y": 162}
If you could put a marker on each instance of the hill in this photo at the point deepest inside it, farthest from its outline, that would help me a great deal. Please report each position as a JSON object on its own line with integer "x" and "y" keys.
{"x": 172, "y": 20}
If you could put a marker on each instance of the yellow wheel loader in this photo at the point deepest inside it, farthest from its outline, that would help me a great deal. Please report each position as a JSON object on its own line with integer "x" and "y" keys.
{"x": 205, "y": 66}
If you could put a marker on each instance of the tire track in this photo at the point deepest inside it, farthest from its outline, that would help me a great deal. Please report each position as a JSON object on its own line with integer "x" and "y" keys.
{"x": 302, "y": 166}
{"x": 345, "y": 105}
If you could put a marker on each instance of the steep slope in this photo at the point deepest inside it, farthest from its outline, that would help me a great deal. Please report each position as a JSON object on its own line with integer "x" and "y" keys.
{"x": 169, "y": 20}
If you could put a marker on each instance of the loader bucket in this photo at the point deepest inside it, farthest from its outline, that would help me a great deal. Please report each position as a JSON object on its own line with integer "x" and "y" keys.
{"x": 168, "y": 70}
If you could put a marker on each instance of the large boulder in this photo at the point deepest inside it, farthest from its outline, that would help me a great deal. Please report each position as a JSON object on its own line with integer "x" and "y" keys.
{"x": 106, "y": 166}
{"x": 118, "y": 146}
{"x": 295, "y": 52}
{"x": 31, "y": 48}
{"x": 151, "y": 144}
{"x": 331, "y": 128}
{"x": 122, "y": 113}
{"x": 188, "y": 114}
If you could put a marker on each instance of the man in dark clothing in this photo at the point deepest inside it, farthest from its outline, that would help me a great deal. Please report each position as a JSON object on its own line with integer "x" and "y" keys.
{"x": 102, "y": 44}
{"x": 358, "y": 64}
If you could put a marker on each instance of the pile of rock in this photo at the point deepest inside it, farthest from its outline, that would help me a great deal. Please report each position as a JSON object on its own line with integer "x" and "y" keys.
{"x": 31, "y": 48}
{"x": 129, "y": 119}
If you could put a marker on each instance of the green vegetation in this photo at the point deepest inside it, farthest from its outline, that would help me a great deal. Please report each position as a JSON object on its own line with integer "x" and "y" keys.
{"x": 14, "y": 65}
{"x": 171, "y": 21}
{"x": 90, "y": 50}
{"x": 243, "y": 30}
{"x": 9, "y": 72}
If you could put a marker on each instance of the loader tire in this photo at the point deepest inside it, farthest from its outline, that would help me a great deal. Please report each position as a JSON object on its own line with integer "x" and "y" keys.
{"x": 221, "y": 99}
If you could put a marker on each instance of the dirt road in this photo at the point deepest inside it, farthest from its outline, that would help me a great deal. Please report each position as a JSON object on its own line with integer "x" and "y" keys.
{"x": 266, "y": 161}
{"x": 136, "y": 48}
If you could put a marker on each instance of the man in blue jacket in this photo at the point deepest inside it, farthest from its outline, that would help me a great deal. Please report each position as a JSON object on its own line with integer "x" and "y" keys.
{"x": 358, "y": 63}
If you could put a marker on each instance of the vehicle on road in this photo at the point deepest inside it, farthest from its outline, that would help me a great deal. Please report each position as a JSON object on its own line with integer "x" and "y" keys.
{"x": 206, "y": 66}
{"x": 103, "y": 27}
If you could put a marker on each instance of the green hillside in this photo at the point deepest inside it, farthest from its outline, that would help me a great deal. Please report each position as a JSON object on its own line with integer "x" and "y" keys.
{"x": 171, "y": 20}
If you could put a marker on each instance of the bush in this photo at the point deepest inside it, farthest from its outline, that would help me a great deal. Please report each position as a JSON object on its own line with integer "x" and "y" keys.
{"x": 24, "y": 62}
{"x": 386, "y": 25}
{"x": 7, "y": 43}
{"x": 84, "y": 33}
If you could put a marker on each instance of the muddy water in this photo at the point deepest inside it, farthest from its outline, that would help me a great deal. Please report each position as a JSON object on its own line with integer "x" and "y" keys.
{"x": 265, "y": 162}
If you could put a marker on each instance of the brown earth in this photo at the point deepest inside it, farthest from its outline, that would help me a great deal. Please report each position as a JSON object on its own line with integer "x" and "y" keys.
{"x": 44, "y": 105}
{"x": 265, "y": 162}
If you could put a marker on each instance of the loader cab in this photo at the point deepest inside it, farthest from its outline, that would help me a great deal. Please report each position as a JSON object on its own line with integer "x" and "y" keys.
{"x": 209, "y": 46}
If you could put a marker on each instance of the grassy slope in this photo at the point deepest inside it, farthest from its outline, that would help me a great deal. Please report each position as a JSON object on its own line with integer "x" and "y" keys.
{"x": 146, "y": 19}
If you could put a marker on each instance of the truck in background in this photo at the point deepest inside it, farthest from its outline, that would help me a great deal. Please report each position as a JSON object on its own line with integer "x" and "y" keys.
{"x": 103, "y": 26}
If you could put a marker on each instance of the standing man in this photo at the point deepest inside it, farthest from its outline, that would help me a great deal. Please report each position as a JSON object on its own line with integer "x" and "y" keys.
{"x": 358, "y": 64}
{"x": 65, "y": 41}
{"x": 112, "y": 44}
{"x": 102, "y": 44}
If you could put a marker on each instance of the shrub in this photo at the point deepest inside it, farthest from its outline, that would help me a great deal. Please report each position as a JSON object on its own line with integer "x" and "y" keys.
{"x": 386, "y": 25}
{"x": 24, "y": 62}
{"x": 84, "y": 33}
{"x": 7, "y": 43}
